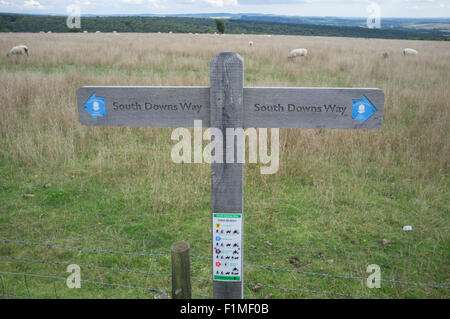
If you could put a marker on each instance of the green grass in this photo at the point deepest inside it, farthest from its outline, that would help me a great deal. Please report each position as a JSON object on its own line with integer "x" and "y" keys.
{"x": 94, "y": 69}
{"x": 333, "y": 230}
{"x": 336, "y": 195}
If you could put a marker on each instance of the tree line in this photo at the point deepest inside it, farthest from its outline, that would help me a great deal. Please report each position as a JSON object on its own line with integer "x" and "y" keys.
{"x": 37, "y": 23}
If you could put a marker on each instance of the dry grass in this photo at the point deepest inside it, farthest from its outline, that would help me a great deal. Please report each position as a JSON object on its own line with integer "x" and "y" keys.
{"x": 39, "y": 121}
{"x": 409, "y": 156}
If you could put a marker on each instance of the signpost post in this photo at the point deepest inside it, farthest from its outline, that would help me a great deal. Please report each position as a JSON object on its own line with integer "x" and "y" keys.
{"x": 228, "y": 104}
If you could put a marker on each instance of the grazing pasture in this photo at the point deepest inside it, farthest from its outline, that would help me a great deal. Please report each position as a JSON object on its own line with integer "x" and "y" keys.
{"x": 338, "y": 203}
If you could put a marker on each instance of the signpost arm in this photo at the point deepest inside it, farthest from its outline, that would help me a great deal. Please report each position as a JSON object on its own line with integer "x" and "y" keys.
{"x": 222, "y": 107}
{"x": 226, "y": 98}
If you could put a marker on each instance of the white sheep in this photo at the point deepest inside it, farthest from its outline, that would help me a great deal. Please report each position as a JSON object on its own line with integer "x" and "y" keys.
{"x": 408, "y": 51}
{"x": 298, "y": 52}
{"x": 250, "y": 43}
{"x": 18, "y": 50}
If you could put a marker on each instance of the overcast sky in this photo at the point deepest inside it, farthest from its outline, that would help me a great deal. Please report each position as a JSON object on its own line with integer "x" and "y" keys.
{"x": 342, "y": 8}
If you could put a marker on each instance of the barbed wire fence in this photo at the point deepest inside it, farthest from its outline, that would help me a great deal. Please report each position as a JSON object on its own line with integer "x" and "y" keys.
{"x": 157, "y": 292}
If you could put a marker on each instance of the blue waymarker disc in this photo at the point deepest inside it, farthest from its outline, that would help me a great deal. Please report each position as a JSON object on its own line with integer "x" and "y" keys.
{"x": 362, "y": 109}
{"x": 95, "y": 106}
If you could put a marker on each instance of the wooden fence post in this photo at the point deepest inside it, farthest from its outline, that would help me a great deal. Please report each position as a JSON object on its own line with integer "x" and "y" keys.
{"x": 227, "y": 187}
{"x": 181, "y": 271}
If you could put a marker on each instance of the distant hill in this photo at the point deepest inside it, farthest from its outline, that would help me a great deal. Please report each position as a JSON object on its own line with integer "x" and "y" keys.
{"x": 249, "y": 24}
{"x": 326, "y": 20}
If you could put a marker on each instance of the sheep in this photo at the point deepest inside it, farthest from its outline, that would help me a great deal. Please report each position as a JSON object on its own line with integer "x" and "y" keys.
{"x": 298, "y": 52}
{"x": 18, "y": 50}
{"x": 408, "y": 51}
{"x": 250, "y": 43}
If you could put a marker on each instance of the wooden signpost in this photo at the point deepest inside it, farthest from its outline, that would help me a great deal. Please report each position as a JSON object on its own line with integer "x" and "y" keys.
{"x": 228, "y": 104}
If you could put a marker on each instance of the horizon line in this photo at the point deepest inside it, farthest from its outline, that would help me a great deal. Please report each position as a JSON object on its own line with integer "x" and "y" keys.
{"x": 213, "y": 13}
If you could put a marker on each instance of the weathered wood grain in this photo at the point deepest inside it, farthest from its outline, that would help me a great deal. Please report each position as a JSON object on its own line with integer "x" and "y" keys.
{"x": 227, "y": 104}
{"x": 280, "y": 100}
{"x": 227, "y": 82}
{"x": 162, "y": 115}
{"x": 181, "y": 271}
{"x": 312, "y": 108}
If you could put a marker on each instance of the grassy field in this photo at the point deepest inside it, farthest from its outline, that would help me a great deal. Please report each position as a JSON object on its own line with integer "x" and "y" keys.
{"x": 336, "y": 196}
